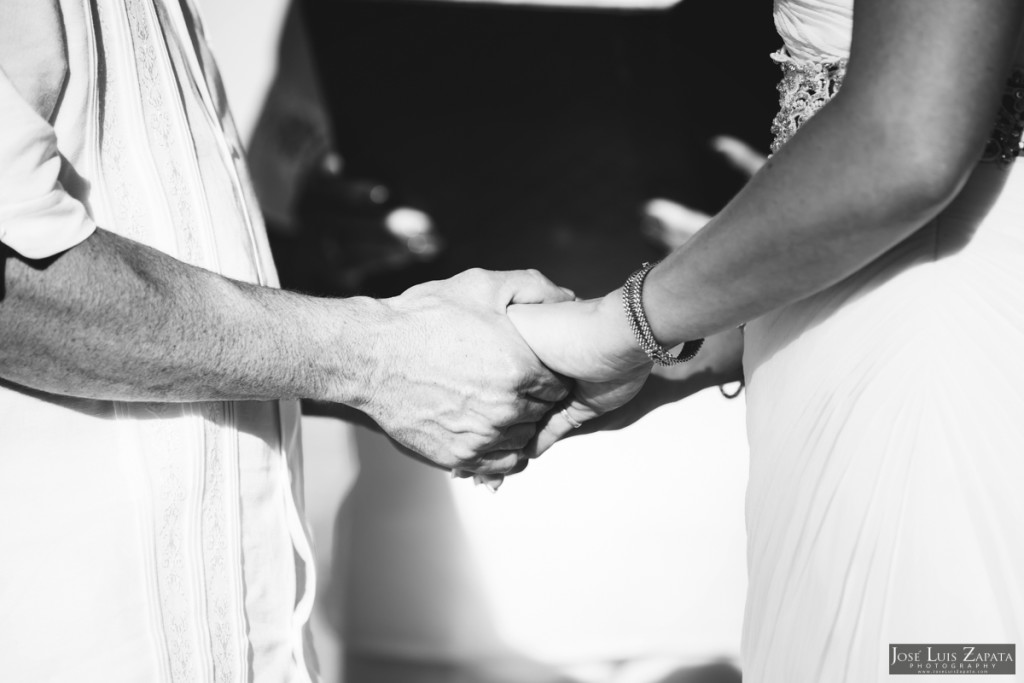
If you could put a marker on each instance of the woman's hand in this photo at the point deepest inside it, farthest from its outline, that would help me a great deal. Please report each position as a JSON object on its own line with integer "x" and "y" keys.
{"x": 590, "y": 342}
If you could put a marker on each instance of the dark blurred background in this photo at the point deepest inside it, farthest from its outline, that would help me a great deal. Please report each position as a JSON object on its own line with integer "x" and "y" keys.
{"x": 532, "y": 136}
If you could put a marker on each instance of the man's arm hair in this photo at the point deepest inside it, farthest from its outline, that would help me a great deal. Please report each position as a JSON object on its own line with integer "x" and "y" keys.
{"x": 440, "y": 368}
{"x": 114, "y": 319}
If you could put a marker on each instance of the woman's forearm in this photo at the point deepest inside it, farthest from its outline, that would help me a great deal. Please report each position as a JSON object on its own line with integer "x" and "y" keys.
{"x": 875, "y": 164}
{"x": 824, "y": 207}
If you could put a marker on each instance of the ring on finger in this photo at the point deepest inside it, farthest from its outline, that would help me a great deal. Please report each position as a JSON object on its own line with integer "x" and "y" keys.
{"x": 568, "y": 418}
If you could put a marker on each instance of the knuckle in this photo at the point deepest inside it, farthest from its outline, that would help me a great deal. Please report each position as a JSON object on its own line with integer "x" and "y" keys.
{"x": 475, "y": 274}
{"x": 468, "y": 458}
{"x": 448, "y": 460}
{"x": 493, "y": 468}
{"x": 508, "y": 374}
{"x": 508, "y": 464}
{"x": 480, "y": 440}
{"x": 464, "y": 451}
{"x": 504, "y": 464}
{"x": 539, "y": 276}
{"x": 510, "y": 414}
{"x": 491, "y": 436}
{"x": 488, "y": 467}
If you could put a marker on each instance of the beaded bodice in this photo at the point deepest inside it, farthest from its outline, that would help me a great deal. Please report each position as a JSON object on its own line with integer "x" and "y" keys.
{"x": 803, "y": 90}
{"x": 806, "y": 88}
{"x": 816, "y": 36}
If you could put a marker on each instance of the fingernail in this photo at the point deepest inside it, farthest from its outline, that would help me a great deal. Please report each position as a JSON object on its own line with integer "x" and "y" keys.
{"x": 568, "y": 292}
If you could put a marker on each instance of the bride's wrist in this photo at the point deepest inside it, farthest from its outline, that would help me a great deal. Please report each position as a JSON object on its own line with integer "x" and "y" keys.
{"x": 626, "y": 351}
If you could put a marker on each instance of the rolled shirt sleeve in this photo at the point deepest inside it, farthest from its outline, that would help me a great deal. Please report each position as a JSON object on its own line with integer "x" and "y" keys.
{"x": 38, "y": 218}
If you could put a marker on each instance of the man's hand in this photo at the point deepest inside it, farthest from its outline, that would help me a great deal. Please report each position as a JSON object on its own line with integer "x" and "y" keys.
{"x": 455, "y": 381}
{"x": 440, "y": 368}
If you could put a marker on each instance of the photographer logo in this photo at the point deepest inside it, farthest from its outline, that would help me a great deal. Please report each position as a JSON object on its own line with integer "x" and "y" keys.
{"x": 948, "y": 659}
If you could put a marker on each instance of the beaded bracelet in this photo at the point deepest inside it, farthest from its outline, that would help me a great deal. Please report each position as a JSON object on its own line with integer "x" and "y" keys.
{"x": 632, "y": 301}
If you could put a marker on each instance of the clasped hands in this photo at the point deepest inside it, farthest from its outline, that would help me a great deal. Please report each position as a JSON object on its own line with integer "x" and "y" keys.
{"x": 485, "y": 370}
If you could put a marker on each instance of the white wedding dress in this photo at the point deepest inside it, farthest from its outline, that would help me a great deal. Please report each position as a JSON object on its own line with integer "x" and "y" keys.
{"x": 886, "y": 425}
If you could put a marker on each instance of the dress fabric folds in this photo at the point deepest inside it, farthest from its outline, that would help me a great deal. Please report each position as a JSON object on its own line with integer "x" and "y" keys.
{"x": 146, "y": 541}
{"x": 887, "y": 439}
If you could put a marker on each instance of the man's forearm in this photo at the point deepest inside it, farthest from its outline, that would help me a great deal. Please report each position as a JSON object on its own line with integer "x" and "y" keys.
{"x": 440, "y": 368}
{"x": 113, "y": 319}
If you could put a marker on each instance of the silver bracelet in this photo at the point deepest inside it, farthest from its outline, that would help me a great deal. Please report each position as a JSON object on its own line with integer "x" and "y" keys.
{"x": 632, "y": 301}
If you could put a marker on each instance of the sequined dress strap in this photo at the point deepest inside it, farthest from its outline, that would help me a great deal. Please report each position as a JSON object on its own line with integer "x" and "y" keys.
{"x": 806, "y": 88}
